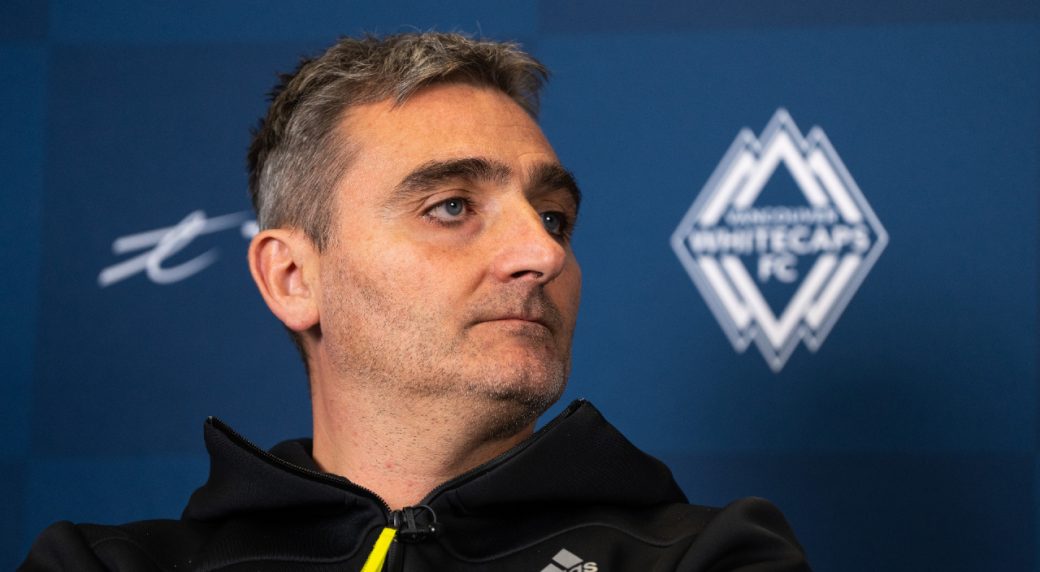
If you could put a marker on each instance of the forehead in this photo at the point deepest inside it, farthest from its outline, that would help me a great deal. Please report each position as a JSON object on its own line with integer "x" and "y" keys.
{"x": 442, "y": 122}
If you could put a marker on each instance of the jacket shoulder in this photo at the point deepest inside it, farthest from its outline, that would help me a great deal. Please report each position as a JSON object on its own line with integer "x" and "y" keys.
{"x": 749, "y": 534}
{"x": 61, "y": 546}
{"x": 144, "y": 545}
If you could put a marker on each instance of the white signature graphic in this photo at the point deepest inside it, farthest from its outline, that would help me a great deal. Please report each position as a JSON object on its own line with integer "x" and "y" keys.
{"x": 165, "y": 242}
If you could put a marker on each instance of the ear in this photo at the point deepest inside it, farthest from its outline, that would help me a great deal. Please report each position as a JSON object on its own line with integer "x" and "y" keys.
{"x": 285, "y": 265}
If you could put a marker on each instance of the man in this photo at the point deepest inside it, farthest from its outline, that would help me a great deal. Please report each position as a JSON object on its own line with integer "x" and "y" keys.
{"x": 415, "y": 241}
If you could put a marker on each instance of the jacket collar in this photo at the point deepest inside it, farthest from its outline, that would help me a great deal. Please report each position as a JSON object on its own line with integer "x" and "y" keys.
{"x": 577, "y": 458}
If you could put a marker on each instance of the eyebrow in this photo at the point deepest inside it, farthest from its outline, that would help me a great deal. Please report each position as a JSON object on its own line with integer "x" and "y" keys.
{"x": 435, "y": 173}
{"x": 552, "y": 176}
{"x": 429, "y": 175}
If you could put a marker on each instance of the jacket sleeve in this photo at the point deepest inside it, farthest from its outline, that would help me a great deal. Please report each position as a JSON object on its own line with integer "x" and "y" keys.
{"x": 749, "y": 535}
{"x": 61, "y": 546}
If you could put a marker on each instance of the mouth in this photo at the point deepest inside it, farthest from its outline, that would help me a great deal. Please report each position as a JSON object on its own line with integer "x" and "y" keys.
{"x": 520, "y": 321}
{"x": 533, "y": 314}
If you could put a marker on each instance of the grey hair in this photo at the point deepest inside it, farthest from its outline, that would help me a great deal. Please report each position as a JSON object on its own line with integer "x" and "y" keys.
{"x": 296, "y": 155}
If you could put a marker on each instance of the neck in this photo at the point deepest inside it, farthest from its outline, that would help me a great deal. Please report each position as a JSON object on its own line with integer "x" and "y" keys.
{"x": 401, "y": 447}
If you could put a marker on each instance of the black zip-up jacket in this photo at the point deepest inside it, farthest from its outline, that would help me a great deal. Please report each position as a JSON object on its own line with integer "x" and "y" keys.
{"x": 576, "y": 497}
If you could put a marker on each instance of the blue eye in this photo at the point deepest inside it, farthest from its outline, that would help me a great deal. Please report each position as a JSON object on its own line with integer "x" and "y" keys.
{"x": 450, "y": 211}
{"x": 454, "y": 207}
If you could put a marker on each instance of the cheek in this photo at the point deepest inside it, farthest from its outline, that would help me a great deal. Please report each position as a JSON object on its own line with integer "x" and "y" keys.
{"x": 569, "y": 291}
{"x": 427, "y": 275}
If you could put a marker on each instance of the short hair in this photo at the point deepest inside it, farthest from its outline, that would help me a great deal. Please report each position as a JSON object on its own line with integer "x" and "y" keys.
{"x": 297, "y": 155}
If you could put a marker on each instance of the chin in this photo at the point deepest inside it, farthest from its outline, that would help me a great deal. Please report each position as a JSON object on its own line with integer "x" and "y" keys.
{"x": 515, "y": 398}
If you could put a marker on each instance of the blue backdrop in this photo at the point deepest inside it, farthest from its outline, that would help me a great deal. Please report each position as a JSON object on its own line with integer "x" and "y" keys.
{"x": 907, "y": 440}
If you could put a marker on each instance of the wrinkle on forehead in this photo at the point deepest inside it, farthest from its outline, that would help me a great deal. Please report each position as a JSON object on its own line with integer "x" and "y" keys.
{"x": 443, "y": 134}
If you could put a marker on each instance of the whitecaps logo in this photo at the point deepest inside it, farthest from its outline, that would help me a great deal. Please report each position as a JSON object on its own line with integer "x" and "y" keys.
{"x": 751, "y": 243}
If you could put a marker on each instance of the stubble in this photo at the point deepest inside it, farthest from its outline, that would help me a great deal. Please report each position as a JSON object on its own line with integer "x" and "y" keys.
{"x": 457, "y": 360}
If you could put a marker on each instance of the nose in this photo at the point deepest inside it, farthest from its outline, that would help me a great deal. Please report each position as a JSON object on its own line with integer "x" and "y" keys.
{"x": 524, "y": 249}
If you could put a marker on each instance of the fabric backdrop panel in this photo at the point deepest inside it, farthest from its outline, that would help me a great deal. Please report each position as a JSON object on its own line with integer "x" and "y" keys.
{"x": 892, "y": 414}
{"x": 938, "y": 127}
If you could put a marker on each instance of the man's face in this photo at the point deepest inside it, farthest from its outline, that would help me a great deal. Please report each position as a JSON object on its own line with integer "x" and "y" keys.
{"x": 450, "y": 273}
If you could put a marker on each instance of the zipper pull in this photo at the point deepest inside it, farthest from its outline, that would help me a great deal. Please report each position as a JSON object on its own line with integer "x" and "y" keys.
{"x": 377, "y": 557}
{"x": 414, "y": 523}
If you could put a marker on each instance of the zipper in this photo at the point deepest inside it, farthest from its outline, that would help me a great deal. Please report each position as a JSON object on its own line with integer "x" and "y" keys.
{"x": 410, "y": 525}
{"x": 408, "y": 521}
{"x": 491, "y": 464}
{"x": 343, "y": 483}
{"x": 326, "y": 478}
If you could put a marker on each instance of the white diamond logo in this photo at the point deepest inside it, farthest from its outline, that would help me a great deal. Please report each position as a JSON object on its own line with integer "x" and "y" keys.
{"x": 777, "y": 268}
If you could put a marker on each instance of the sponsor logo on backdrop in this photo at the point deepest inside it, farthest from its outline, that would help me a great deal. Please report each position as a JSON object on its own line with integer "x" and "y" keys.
{"x": 155, "y": 247}
{"x": 776, "y": 263}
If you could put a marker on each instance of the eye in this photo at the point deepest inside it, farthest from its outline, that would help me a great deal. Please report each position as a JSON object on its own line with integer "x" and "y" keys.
{"x": 555, "y": 223}
{"x": 453, "y": 207}
{"x": 450, "y": 210}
